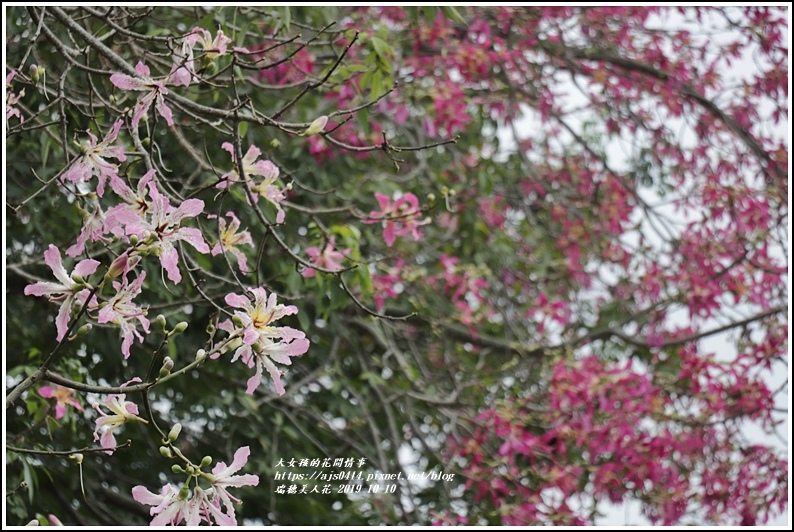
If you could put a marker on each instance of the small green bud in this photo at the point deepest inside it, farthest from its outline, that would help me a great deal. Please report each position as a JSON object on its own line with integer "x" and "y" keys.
{"x": 160, "y": 321}
{"x": 133, "y": 240}
{"x": 316, "y": 127}
{"x": 275, "y": 143}
{"x": 237, "y": 320}
{"x": 183, "y": 493}
{"x": 146, "y": 142}
{"x": 201, "y": 355}
{"x": 77, "y": 457}
{"x": 190, "y": 470}
{"x": 176, "y": 468}
{"x": 35, "y": 75}
{"x": 83, "y": 330}
{"x": 211, "y": 68}
{"x": 179, "y": 327}
{"x": 174, "y": 433}
{"x": 77, "y": 278}
{"x": 166, "y": 452}
{"x": 431, "y": 197}
{"x": 207, "y": 460}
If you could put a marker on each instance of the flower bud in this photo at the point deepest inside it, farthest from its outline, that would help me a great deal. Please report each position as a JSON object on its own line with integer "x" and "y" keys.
{"x": 201, "y": 355}
{"x": 160, "y": 321}
{"x": 83, "y": 330}
{"x": 77, "y": 457}
{"x": 431, "y": 197}
{"x": 118, "y": 266}
{"x": 207, "y": 460}
{"x": 166, "y": 452}
{"x": 174, "y": 433}
{"x": 168, "y": 363}
{"x": 176, "y": 468}
{"x": 237, "y": 320}
{"x": 34, "y": 73}
{"x": 275, "y": 143}
{"x": 190, "y": 470}
{"x": 211, "y": 68}
{"x": 77, "y": 278}
{"x": 134, "y": 240}
{"x": 146, "y": 142}
{"x": 316, "y": 127}
{"x": 179, "y": 327}
{"x": 183, "y": 493}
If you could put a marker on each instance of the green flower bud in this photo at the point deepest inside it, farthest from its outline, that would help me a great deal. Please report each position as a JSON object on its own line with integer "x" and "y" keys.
{"x": 166, "y": 452}
{"x": 207, "y": 460}
{"x": 176, "y": 468}
{"x": 133, "y": 240}
{"x": 34, "y": 73}
{"x": 275, "y": 143}
{"x": 237, "y": 320}
{"x": 201, "y": 355}
{"x": 183, "y": 493}
{"x": 316, "y": 127}
{"x": 83, "y": 330}
{"x": 179, "y": 327}
{"x": 160, "y": 321}
{"x": 146, "y": 142}
{"x": 174, "y": 433}
{"x": 77, "y": 457}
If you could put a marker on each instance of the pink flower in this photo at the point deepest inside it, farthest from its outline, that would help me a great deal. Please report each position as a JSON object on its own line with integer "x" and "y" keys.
{"x": 169, "y": 508}
{"x": 328, "y": 259}
{"x": 258, "y": 347}
{"x": 92, "y": 161}
{"x": 399, "y": 219}
{"x": 212, "y": 47}
{"x": 63, "y": 398}
{"x": 161, "y": 230}
{"x": 225, "y": 478}
{"x": 12, "y": 99}
{"x": 122, "y": 412}
{"x": 93, "y": 230}
{"x": 122, "y": 311}
{"x": 156, "y": 92}
{"x": 251, "y": 166}
{"x": 67, "y": 290}
{"x": 230, "y": 239}
{"x": 183, "y": 71}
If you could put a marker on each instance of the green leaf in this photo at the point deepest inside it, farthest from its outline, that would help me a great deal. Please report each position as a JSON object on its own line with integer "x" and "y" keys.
{"x": 452, "y": 14}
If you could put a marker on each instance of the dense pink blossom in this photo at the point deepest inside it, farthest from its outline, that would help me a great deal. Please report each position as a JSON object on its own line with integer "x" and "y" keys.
{"x": 400, "y": 218}
{"x": 261, "y": 342}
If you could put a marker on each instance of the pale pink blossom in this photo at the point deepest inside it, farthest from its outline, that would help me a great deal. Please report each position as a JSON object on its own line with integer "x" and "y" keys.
{"x": 93, "y": 161}
{"x": 183, "y": 71}
{"x": 329, "y": 258}
{"x": 122, "y": 311}
{"x": 169, "y": 507}
{"x": 262, "y": 343}
{"x": 230, "y": 239}
{"x": 12, "y": 99}
{"x": 94, "y": 230}
{"x": 252, "y": 166}
{"x": 122, "y": 410}
{"x": 225, "y": 478}
{"x": 67, "y": 290}
{"x": 212, "y": 47}
{"x": 161, "y": 230}
{"x": 63, "y": 397}
{"x": 399, "y": 219}
{"x": 155, "y": 92}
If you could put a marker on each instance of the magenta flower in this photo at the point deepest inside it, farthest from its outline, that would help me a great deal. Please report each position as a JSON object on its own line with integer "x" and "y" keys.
{"x": 328, "y": 259}
{"x": 122, "y": 311}
{"x": 122, "y": 412}
{"x": 399, "y": 219}
{"x": 225, "y": 478}
{"x": 144, "y": 82}
{"x": 92, "y": 161}
{"x": 261, "y": 342}
{"x": 68, "y": 291}
{"x": 162, "y": 230}
{"x": 63, "y": 397}
{"x": 230, "y": 239}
